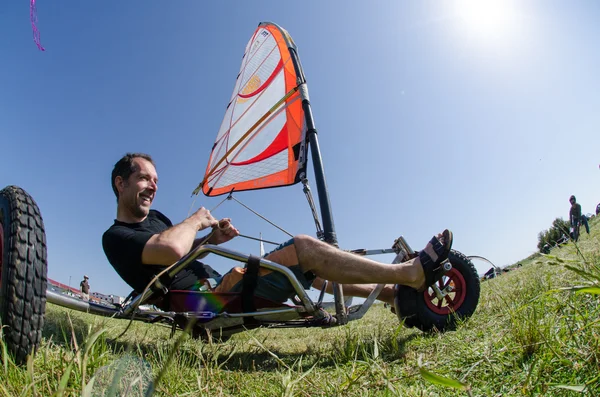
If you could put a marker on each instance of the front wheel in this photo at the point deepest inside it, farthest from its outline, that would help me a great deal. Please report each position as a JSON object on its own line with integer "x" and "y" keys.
{"x": 424, "y": 310}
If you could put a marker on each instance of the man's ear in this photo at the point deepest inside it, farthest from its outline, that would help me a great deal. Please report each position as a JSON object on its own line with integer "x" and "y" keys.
{"x": 120, "y": 184}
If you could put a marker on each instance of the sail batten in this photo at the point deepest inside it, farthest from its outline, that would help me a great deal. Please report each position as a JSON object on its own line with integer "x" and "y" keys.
{"x": 263, "y": 130}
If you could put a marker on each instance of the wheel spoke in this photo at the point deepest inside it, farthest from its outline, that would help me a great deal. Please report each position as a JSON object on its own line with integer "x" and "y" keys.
{"x": 447, "y": 284}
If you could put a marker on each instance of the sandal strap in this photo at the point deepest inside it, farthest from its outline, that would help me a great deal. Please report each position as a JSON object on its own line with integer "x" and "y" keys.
{"x": 433, "y": 270}
{"x": 432, "y": 267}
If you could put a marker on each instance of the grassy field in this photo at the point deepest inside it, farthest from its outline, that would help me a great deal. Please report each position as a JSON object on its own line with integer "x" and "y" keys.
{"x": 530, "y": 336}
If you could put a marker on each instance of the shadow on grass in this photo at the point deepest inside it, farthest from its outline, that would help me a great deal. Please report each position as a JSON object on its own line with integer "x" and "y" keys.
{"x": 254, "y": 358}
{"x": 235, "y": 355}
{"x": 344, "y": 350}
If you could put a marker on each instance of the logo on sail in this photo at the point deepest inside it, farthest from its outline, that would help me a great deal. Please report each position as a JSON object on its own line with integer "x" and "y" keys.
{"x": 251, "y": 86}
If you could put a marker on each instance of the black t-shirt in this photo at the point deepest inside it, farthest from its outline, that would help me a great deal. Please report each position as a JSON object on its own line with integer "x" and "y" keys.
{"x": 124, "y": 243}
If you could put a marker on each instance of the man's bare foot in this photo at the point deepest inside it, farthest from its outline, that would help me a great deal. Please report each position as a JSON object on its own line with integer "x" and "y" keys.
{"x": 416, "y": 275}
{"x": 426, "y": 267}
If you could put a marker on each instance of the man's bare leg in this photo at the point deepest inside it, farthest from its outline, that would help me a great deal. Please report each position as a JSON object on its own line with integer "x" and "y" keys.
{"x": 359, "y": 290}
{"x": 333, "y": 264}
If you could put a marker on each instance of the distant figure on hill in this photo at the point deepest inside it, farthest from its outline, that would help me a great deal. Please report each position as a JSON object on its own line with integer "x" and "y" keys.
{"x": 598, "y": 209}
{"x": 85, "y": 289}
{"x": 576, "y": 218}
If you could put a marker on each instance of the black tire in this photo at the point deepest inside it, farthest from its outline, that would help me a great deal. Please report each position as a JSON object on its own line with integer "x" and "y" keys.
{"x": 23, "y": 272}
{"x": 419, "y": 309}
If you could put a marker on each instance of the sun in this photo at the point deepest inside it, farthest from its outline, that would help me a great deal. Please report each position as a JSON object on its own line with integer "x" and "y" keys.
{"x": 487, "y": 19}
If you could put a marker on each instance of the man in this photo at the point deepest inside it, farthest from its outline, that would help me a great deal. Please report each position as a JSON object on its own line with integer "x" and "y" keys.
{"x": 576, "y": 218}
{"x": 85, "y": 289}
{"x": 141, "y": 242}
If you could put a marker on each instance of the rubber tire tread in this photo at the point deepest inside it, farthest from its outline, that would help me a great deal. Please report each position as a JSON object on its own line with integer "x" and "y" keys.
{"x": 412, "y": 309}
{"x": 24, "y": 273}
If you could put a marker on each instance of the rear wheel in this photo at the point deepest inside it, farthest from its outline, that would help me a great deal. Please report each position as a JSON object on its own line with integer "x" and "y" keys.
{"x": 424, "y": 310}
{"x": 23, "y": 270}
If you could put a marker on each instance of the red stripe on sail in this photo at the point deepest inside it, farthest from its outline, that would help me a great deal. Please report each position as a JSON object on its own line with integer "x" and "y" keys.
{"x": 266, "y": 83}
{"x": 279, "y": 144}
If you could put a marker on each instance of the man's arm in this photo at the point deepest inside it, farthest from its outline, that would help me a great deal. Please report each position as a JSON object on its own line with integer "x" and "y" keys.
{"x": 169, "y": 246}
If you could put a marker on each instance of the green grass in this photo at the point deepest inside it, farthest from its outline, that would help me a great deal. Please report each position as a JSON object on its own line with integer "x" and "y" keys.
{"x": 530, "y": 336}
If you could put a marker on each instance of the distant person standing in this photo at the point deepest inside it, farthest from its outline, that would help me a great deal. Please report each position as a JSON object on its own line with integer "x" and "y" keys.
{"x": 85, "y": 289}
{"x": 576, "y": 219}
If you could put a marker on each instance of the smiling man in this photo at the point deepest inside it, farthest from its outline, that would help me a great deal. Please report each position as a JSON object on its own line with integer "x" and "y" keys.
{"x": 142, "y": 241}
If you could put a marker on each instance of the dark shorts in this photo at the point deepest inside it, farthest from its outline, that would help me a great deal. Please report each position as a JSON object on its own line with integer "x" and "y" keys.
{"x": 270, "y": 285}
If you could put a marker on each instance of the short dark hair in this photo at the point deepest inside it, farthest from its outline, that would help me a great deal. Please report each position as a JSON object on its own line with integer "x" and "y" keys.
{"x": 125, "y": 167}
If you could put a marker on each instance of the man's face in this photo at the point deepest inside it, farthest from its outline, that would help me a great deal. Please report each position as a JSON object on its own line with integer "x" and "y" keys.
{"x": 572, "y": 201}
{"x": 137, "y": 193}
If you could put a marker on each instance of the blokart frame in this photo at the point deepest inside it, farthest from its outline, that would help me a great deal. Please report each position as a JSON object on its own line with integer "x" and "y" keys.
{"x": 192, "y": 309}
{"x": 304, "y": 312}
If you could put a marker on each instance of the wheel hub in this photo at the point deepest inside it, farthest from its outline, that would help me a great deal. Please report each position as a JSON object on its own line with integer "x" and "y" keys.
{"x": 448, "y": 294}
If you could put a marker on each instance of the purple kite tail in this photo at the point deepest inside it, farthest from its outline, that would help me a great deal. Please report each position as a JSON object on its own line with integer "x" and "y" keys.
{"x": 33, "y": 17}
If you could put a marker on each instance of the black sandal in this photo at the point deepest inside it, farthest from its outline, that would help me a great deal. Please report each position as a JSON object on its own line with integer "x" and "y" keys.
{"x": 432, "y": 267}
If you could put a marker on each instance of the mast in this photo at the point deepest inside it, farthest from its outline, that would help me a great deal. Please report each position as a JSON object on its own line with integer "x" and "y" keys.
{"x": 322, "y": 192}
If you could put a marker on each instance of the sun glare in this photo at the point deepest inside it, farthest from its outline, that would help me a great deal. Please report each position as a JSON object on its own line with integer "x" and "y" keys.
{"x": 487, "y": 19}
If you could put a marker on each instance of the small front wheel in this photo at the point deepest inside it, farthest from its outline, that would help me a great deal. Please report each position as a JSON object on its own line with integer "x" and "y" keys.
{"x": 427, "y": 311}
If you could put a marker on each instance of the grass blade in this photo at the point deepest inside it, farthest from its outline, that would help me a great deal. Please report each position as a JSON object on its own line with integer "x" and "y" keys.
{"x": 577, "y": 388}
{"x": 442, "y": 380}
{"x": 580, "y": 289}
{"x": 64, "y": 380}
{"x": 587, "y": 290}
{"x": 89, "y": 388}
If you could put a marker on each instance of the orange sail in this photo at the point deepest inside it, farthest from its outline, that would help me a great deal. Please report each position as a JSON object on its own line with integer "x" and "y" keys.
{"x": 262, "y": 139}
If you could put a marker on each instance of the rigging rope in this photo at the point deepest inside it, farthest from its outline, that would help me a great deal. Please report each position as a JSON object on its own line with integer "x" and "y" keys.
{"x": 260, "y": 216}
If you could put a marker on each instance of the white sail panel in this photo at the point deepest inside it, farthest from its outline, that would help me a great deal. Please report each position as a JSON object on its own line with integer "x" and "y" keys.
{"x": 261, "y": 140}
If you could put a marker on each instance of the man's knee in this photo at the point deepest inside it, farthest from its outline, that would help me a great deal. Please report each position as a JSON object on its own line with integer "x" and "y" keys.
{"x": 303, "y": 242}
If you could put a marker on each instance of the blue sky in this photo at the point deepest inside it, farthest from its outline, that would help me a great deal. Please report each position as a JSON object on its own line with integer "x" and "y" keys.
{"x": 431, "y": 115}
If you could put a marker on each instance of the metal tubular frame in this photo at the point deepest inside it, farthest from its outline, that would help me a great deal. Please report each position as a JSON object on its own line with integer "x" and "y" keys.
{"x": 139, "y": 314}
{"x": 93, "y": 308}
{"x": 227, "y": 253}
{"x": 402, "y": 250}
